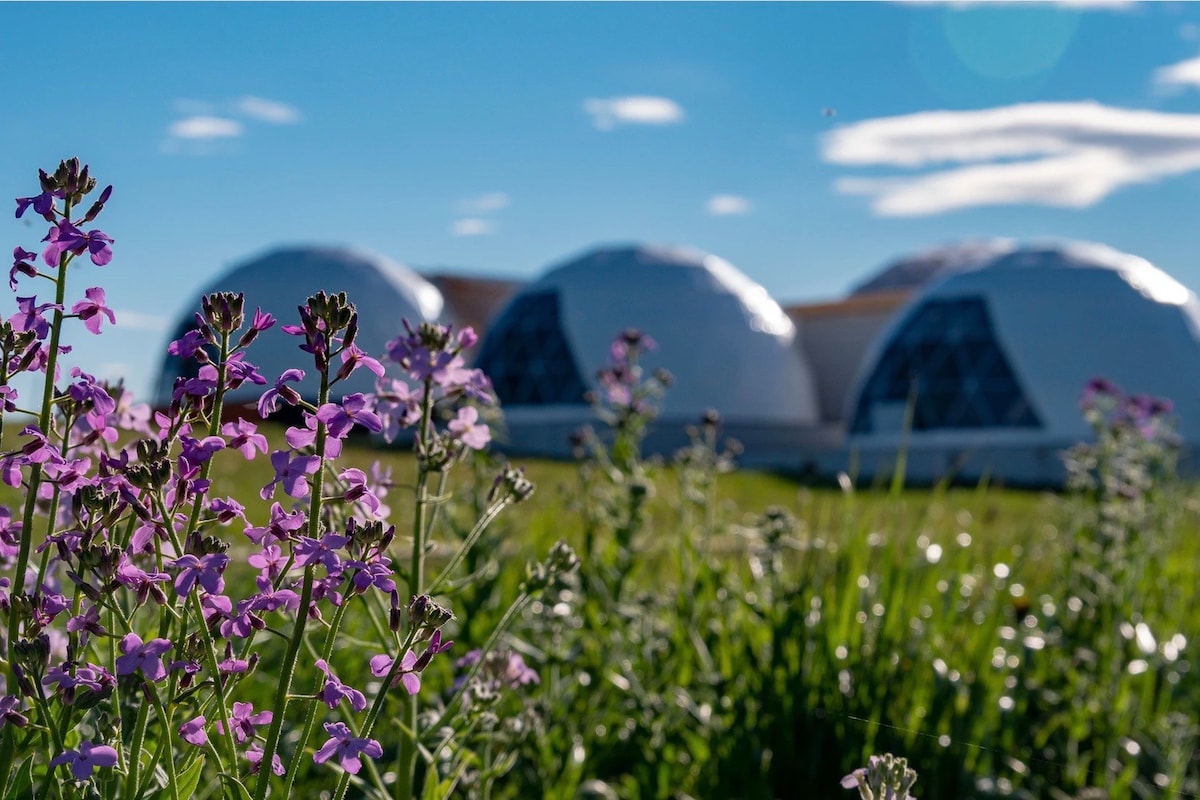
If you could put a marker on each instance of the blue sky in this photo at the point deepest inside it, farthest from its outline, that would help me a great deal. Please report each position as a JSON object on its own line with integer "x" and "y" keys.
{"x": 795, "y": 140}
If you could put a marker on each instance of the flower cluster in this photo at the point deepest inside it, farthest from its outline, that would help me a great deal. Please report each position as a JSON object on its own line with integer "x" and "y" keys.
{"x": 118, "y": 568}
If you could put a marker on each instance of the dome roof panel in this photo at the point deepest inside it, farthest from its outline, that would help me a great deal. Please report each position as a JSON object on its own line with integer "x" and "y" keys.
{"x": 384, "y": 293}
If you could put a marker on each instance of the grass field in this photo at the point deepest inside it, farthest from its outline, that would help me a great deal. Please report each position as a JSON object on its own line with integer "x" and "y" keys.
{"x": 744, "y": 635}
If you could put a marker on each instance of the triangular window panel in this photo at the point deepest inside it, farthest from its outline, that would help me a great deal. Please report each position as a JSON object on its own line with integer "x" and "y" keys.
{"x": 946, "y": 362}
{"x": 527, "y": 357}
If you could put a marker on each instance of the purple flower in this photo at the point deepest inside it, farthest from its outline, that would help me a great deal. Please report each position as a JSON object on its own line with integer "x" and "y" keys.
{"x": 65, "y": 237}
{"x": 193, "y": 731}
{"x": 70, "y": 676}
{"x": 254, "y": 754}
{"x": 92, "y": 310}
{"x": 243, "y": 721}
{"x": 187, "y": 345}
{"x": 354, "y": 409}
{"x": 499, "y": 670}
{"x": 146, "y": 657}
{"x": 299, "y": 438}
{"x": 281, "y": 527}
{"x": 377, "y": 573}
{"x": 29, "y": 316}
{"x": 291, "y": 472}
{"x": 86, "y": 759}
{"x": 268, "y": 404}
{"x": 354, "y": 357}
{"x": 272, "y": 599}
{"x": 87, "y": 623}
{"x": 227, "y": 509}
{"x": 143, "y": 583}
{"x": 262, "y": 320}
{"x": 23, "y": 264}
{"x": 238, "y": 371}
{"x": 323, "y": 551}
{"x": 358, "y": 492}
{"x": 206, "y": 571}
{"x": 347, "y": 747}
{"x": 70, "y": 476}
{"x": 381, "y": 665}
{"x": 270, "y": 560}
{"x": 10, "y": 712}
{"x": 469, "y": 429}
{"x": 42, "y": 204}
{"x": 244, "y": 436}
{"x": 197, "y": 451}
{"x": 334, "y": 690}
{"x": 240, "y": 623}
{"x": 398, "y": 406}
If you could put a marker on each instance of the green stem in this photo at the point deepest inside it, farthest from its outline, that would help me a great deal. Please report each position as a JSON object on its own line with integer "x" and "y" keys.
{"x": 406, "y": 760}
{"x": 310, "y": 721}
{"x": 168, "y": 731}
{"x": 499, "y": 630}
{"x": 481, "y": 525}
{"x": 288, "y": 669}
{"x": 35, "y": 474}
{"x": 135, "y": 749}
{"x": 377, "y": 707}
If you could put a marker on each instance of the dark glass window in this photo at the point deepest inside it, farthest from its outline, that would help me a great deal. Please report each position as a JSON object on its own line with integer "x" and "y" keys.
{"x": 946, "y": 359}
{"x": 527, "y": 357}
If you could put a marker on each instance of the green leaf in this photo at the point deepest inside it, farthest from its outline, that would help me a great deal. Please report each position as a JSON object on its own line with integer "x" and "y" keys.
{"x": 22, "y": 782}
{"x": 187, "y": 781}
{"x": 431, "y": 787}
{"x": 235, "y": 787}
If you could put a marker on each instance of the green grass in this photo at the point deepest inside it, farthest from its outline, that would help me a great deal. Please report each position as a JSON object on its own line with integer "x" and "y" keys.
{"x": 709, "y": 658}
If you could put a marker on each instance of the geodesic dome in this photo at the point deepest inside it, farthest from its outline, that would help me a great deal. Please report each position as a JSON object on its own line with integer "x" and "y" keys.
{"x": 384, "y": 292}
{"x": 986, "y": 367}
{"x": 915, "y": 270}
{"x": 727, "y": 344}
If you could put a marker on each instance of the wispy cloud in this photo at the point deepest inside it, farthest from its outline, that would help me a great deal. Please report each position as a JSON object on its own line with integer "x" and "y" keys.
{"x": 264, "y": 110}
{"x": 202, "y": 123}
{"x": 206, "y": 127}
{"x": 473, "y": 226}
{"x": 486, "y": 203}
{"x": 141, "y": 321}
{"x": 1185, "y": 73}
{"x": 1069, "y": 155}
{"x": 724, "y": 205}
{"x": 608, "y": 113}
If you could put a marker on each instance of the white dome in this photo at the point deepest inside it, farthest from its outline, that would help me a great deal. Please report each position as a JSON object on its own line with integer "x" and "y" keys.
{"x": 384, "y": 292}
{"x": 1001, "y": 354}
{"x": 728, "y": 345}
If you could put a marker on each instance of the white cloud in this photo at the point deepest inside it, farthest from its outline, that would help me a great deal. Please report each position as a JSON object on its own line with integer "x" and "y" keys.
{"x": 634, "y": 110}
{"x": 1185, "y": 73}
{"x": 722, "y": 205}
{"x": 1070, "y": 155}
{"x": 473, "y": 226}
{"x": 485, "y": 203}
{"x": 206, "y": 127}
{"x": 141, "y": 321}
{"x": 263, "y": 110}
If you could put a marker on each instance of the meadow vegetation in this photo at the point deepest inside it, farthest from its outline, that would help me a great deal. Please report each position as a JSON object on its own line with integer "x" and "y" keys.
{"x": 187, "y": 599}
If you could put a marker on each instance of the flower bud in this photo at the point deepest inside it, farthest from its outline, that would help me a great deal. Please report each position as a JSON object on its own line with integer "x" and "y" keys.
{"x": 98, "y": 206}
{"x": 427, "y": 615}
{"x": 33, "y": 654}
